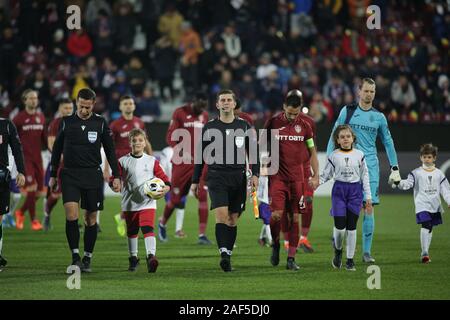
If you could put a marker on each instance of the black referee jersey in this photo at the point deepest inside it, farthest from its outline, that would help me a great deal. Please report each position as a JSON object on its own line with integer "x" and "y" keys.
{"x": 9, "y": 137}
{"x": 80, "y": 142}
{"x": 224, "y": 148}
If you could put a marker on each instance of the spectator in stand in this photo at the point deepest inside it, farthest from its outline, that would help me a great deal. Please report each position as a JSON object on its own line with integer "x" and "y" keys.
{"x": 102, "y": 32}
{"x": 265, "y": 67}
{"x": 137, "y": 76}
{"x": 148, "y": 106}
{"x": 320, "y": 110}
{"x": 170, "y": 24}
{"x": 353, "y": 45}
{"x": 403, "y": 96}
{"x": 79, "y": 44}
{"x": 94, "y": 10}
{"x": 232, "y": 41}
{"x": 335, "y": 91}
{"x": 190, "y": 49}
{"x": 164, "y": 66}
{"x": 441, "y": 98}
{"x": 125, "y": 28}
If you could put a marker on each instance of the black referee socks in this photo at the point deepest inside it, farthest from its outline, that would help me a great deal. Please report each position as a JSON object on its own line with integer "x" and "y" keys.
{"x": 73, "y": 234}
{"x": 90, "y": 237}
{"x": 222, "y": 237}
{"x": 231, "y": 238}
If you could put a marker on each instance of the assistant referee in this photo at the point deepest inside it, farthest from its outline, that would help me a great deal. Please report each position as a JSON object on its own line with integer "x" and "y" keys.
{"x": 225, "y": 146}
{"x": 80, "y": 139}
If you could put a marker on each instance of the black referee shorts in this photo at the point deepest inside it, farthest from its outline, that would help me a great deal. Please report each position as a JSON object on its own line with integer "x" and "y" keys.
{"x": 85, "y": 184}
{"x": 227, "y": 189}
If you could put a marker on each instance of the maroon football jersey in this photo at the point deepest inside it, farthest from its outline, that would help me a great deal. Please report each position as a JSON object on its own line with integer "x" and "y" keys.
{"x": 312, "y": 124}
{"x": 185, "y": 118}
{"x": 30, "y": 128}
{"x": 247, "y": 117}
{"x": 53, "y": 127}
{"x": 292, "y": 139}
{"x": 120, "y": 129}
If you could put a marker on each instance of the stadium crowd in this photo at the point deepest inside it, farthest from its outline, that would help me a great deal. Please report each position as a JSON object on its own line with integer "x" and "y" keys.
{"x": 163, "y": 51}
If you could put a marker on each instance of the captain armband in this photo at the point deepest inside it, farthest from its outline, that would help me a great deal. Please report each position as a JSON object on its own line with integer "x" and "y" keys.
{"x": 310, "y": 143}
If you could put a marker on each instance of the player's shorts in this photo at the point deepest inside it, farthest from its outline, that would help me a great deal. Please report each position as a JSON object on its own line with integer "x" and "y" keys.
{"x": 35, "y": 174}
{"x": 424, "y": 216}
{"x": 374, "y": 178}
{"x": 345, "y": 197}
{"x": 264, "y": 212}
{"x": 285, "y": 194}
{"x": 141, "y": 218}
{"x": 227, "y": 189}
{"x": 85, "y": 184}
{"x": 181, "y": 184}
{"x": 4, "y": 191}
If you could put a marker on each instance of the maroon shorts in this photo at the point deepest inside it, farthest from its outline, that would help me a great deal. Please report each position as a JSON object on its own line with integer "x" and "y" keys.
{"x": 285, "y": 194}
{"x": 35, "y": 174}
{"x": 182, "y": 180}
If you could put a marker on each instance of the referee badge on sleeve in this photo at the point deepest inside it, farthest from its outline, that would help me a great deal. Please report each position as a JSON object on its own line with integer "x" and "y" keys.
{"x": 92, "y": 136}
{"x": 239, "y": 142}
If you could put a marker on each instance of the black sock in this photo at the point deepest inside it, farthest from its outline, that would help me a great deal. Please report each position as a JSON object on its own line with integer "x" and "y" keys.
{"x": 221, "y": 238}
{"x": 90, "y": 236}
{"x": 72, "y": 234}
{"x": 231, "y": 239}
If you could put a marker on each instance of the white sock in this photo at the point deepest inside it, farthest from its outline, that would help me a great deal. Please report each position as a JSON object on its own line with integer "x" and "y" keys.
{"x": 430, "y": 235}
{"x": 14, "y": 202}
{"x": 88, "y": 254}
{"x": 424, "y": 235}
{"x": 263, "y": 230}
{"x": 179, "y": 219}
{"x": 268, "y": 234}
{"x": 98, "y": 217}
{"x": 338, "y": 236}
{"x": 150, "y": 245}
{"x": 351, "y": 243}
{"x": 133, "y": 246}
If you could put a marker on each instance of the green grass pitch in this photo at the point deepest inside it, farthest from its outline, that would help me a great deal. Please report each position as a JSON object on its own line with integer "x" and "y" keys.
{"x": 37, "y": 262}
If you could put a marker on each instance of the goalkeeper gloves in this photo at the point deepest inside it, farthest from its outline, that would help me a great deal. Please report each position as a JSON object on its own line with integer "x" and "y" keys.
{"x": 394, "y": 177}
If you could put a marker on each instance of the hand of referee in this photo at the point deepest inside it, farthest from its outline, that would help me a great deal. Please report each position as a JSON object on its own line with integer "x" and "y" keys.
{"x": 116, "y": 185}
{"x": 194, "y": 189}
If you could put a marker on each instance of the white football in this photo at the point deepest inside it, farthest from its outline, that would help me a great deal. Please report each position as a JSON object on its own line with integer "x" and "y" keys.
{"x": 153, "y": 186}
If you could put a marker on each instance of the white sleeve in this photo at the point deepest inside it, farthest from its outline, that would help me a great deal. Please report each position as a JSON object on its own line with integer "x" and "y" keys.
{"x": 328, "y": 172}
{"x": 445, "y": 190}
{"x": 408, "y": 183}
{"x": 365, "y": 179}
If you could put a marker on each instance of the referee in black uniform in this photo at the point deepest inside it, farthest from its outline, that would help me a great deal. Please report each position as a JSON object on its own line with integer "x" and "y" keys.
{"x": 80, "y": 139}
{"x": 8, "y": 137}
{"x": 230, "y": 138}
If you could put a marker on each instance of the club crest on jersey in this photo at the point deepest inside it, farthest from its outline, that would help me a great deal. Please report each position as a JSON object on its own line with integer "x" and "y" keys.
{"x": 227, "y": 132}
{"x": 239, "y": 142}
{"x": 38, "y": 120}
{"x": 92, "y": 136}
{"x": 297, "y": 128}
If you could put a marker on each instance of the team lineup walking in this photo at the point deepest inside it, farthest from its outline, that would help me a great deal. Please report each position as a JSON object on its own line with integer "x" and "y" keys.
{"x": 222, "y": 158}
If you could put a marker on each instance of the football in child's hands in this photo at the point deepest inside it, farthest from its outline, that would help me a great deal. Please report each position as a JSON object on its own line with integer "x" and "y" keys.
{"x": 153, "y": 186}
